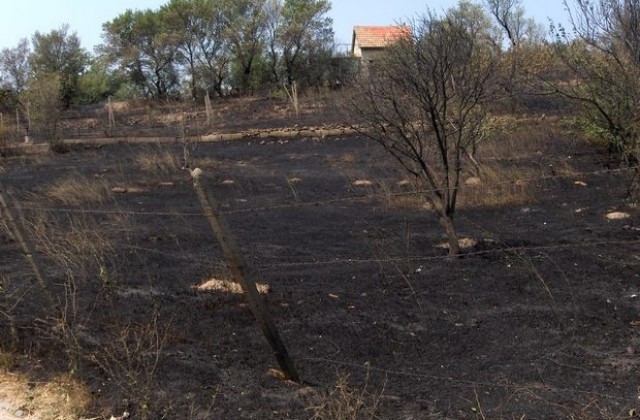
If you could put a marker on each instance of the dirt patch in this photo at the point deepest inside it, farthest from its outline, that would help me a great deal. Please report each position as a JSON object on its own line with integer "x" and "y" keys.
{"x": 464, "y": 243}
{"x": 617, "y": 215}
{"x": 226, "y": 286}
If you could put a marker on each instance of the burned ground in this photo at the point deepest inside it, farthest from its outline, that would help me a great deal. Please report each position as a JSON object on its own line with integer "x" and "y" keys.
{"x": 539, "y": 319}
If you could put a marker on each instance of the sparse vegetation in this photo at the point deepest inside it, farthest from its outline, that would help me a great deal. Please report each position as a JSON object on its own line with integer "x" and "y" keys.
{"x": 123, "y": 270}
{"x": 158, "y": 160}
{"x": 130, "y": 359}
{"x": 501, "y": 186}
{"x": 78, "y": 191}
{"x": 42, "y": 107}
{"x": 600, "y": 53}
{"x": 343, "y": 402}
{"x": 123, "y": 305}
{"x": 61, "y": 398}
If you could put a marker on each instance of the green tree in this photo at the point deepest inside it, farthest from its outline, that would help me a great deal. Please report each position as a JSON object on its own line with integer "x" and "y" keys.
{"x": 201, "y": 26}
{"x": 246, "y": 33}
{"x": 98, "y": 83}
{"x": 59, "y": 52}
{"x": 143, "y": 46}
{"x": 425, "y": 102}
{"x": 185, "y": 19}
{"x": 273, "y": 16}
{"x": 215, "y": 48}
{"x": 299, "y": 34}
{"x": 14, "y": 66}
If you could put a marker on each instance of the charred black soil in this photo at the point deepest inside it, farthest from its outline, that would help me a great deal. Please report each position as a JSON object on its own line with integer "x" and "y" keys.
{"x": 540, "y": 318}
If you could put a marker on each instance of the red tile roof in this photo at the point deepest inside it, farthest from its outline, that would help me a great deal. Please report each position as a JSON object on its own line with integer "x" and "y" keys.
{"x": 378, "y": 36}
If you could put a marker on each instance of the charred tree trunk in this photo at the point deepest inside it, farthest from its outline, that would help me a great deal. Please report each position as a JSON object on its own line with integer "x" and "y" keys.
{"x": 446, "y": 222}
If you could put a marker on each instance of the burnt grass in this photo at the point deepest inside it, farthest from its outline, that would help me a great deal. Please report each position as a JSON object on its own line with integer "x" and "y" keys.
{"x": 540, "y": 319}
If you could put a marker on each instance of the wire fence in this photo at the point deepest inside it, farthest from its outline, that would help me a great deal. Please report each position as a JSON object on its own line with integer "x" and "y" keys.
{"x": 326, "y": 202}
{"x": 342, "y": 260}
{"x": 363, "y": 198}
{"x": 368, "y": 367}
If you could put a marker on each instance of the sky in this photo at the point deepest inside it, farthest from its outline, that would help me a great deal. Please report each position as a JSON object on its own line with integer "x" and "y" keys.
{"x": 22, "y": 18}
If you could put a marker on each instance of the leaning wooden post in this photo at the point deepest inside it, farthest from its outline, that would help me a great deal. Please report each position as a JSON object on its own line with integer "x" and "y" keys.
{"x": 242, "y": 276}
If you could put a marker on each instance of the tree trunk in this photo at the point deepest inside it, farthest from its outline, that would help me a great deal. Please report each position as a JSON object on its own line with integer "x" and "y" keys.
{"x": 246, "y": 76}
{"x": 452, "y": 238}
{"x": 194, "y": 94}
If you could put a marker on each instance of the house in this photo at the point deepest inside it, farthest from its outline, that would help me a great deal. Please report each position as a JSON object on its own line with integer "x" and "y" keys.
{"x": 371, "y": 40}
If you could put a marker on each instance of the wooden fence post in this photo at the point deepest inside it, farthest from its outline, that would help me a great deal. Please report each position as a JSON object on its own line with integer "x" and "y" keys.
{"x": 112, "y": 119}
{"x": 242, "y": 276}
{"x": 17, "y": 122}
{"x": 208, "y": 110}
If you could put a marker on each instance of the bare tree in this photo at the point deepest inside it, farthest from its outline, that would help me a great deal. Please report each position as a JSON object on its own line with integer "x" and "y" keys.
{"x": 526, "y": 40}
{"x": 424, "y": 102}
{"x": 510, "y": 16}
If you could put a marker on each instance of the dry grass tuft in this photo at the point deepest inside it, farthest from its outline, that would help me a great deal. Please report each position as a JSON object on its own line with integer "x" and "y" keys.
{"x": 346, "y": 158}
{"x": 7, "y": 360}
{"x": 500, "y": 186}
{"x": 77, "y": 191}
{"x": 131, "y": 357}
{"x": 87, "y": 265}
{"x": 75, "y": 245}
{"x": 513, "y": 138}
{"x": 205, "y": 163}
{"x": 563, "y": 168}
{"x": 407, "y": 201}
{"x": 399, "y": 195}
{"x": 62, "y": 398}
{"x": 158, "y": 161}
{"x": 343, "y": 402}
